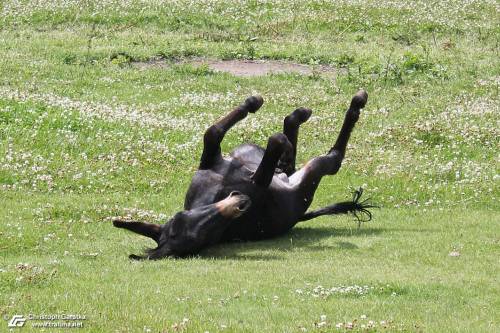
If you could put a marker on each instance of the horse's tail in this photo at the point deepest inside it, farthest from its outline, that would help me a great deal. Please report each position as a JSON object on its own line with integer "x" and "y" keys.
{"x": 358, "y": 208}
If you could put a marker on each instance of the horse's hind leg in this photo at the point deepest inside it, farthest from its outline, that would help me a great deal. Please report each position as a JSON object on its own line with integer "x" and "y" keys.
{"x": 308, "y": 178}
{"x": 215, "y": 133}
{"x": 291, "y": 126}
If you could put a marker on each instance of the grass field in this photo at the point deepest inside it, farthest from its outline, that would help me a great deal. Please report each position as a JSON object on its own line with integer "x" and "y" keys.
{"x": 86, "y": 134}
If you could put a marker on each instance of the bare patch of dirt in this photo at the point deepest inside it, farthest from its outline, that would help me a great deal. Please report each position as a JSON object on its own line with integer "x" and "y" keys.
{"x": 257, "y": 67}
{"x": 245, "y": 68}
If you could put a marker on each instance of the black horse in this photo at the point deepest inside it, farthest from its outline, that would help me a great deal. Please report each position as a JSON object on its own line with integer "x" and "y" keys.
{"x": 255, "y": 193}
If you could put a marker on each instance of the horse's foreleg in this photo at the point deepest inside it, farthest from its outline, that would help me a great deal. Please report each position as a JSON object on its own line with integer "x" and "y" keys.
{"x": 276, "y": 146}
{"x": 215, "y": 133}
{"x": 291, "y": 126}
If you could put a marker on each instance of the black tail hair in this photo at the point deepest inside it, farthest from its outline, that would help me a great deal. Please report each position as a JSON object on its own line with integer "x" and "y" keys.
{"x": 358, "y": 208}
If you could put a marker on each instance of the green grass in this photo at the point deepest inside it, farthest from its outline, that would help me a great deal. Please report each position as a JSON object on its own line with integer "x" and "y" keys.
{"x": 86, "y": 135}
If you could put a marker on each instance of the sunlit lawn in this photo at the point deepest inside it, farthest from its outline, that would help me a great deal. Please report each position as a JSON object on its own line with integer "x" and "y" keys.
{"x": 87, "y": 134}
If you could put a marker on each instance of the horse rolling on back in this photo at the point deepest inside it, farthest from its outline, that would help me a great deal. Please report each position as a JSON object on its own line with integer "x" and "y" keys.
{"x": 253, "y": 194}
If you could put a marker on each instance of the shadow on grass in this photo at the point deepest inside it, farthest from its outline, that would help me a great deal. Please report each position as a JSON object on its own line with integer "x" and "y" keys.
{"x": 298, "y": 239}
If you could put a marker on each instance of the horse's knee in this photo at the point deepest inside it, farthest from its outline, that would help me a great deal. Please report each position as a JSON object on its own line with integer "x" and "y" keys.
{"x": 278, "y": 141}
{"x": 334, "y": 167}
{"x": 334, "y": 162}
{"x": 326, "y": 165}
{"x": 213, "y": 135}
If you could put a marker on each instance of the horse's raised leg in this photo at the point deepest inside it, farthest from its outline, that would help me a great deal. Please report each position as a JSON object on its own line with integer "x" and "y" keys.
{"x": 307, "y": 179}
{"x": 291, "y": 126}
{"x": 276, "y": 146}
{"x": 215, "y": 133}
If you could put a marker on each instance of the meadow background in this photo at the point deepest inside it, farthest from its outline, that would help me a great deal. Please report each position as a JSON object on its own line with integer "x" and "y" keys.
{"x": 89, "y": 130}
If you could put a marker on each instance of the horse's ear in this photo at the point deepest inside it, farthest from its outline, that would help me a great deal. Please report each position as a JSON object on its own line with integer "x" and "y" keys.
{"x": 142, "y": 228}
{"x": 136, "y": 257}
